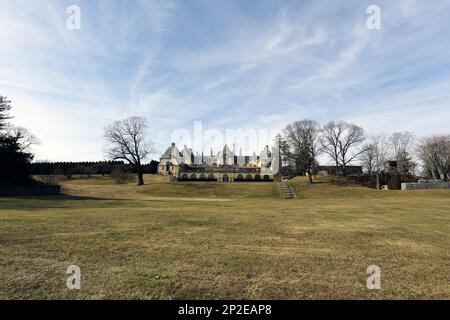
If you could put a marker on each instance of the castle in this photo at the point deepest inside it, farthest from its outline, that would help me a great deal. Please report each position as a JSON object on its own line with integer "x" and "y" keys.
{"x": 225, "y": 166}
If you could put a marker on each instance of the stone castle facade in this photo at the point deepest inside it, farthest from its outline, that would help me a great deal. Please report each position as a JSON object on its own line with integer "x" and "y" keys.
{"x": 225, "y": 166}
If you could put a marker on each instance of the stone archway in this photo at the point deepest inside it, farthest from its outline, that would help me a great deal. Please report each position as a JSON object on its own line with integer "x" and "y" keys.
{"x": 225, "y": 178}
{"x": 257, "y": 177}
{"x": 184, "y": 177}
{"x": 239, "y": 177}
{"x": 249, "y": 177}
{"x": 266, "y": 177}
{"x": 211, "y": 177}
{"x": 193, "y": 176}
{"x": 202, "y": 177}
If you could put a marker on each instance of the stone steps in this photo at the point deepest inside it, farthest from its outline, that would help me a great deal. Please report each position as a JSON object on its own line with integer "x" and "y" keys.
{"x": 287, "y": 191}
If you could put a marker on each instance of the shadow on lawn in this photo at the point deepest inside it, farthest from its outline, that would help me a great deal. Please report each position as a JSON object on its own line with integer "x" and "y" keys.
{"x": 66, "y": 201}
{"x": 339, "y": 182}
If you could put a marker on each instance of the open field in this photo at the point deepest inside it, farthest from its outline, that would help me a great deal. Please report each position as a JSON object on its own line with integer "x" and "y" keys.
{"x": 225, "y": 240}
{"x": 158, "y": 186}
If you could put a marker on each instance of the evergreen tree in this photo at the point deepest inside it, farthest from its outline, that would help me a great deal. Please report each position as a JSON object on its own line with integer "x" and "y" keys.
{"x": 4, "y": 108}
{"x": 15, "y": 164}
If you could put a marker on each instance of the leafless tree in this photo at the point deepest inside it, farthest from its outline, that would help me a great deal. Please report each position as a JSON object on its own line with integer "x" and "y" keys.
{"x": 127, "y": 141}
{"x": 376, "y": 152}
{"x": 434, "y": 151}
{"x": 303, "y": 140}
{"x": 402, "y": 150}
{"x": 368, "y": 158}
{"x": 119, "y": 174}
{"x": 24, "y": 137}
{"x": 331, "y": 135}
{"x": 341, "y": 141}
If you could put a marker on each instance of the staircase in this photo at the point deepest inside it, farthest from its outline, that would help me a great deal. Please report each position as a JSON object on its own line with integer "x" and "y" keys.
{"x": 287, "y": 191}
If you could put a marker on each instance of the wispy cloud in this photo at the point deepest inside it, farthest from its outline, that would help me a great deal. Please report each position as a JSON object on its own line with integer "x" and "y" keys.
{"x": 231, "y": 64}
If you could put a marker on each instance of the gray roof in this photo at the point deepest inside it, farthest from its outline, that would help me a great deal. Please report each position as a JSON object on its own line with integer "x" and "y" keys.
{"x": 227, "y": 150}
{"x": 186, "y": 151}
{"x": 167, "y": 154}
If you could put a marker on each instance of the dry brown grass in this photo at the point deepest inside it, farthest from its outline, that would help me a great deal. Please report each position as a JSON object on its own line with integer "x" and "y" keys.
{"x": 316, "y": 246}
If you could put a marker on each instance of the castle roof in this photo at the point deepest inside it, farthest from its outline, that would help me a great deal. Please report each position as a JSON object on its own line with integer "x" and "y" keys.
{"x": 186, "y": 151}
{"x": 227, "y": 150}
{"x": 172, "y": 150}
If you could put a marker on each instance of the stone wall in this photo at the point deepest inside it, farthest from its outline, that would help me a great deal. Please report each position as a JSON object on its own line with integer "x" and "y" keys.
{"x": 425, "y": 186}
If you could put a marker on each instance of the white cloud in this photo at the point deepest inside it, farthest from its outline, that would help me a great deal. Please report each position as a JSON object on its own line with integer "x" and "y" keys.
{"x": 230, "y": 68}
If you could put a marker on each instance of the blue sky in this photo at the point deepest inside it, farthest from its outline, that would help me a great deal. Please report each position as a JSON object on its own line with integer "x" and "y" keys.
{"x": 231, "y": 64}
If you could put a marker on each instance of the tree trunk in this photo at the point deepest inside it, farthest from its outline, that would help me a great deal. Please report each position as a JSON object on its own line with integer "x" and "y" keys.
{"x": 314, "y": 171}
{"x": 140, "y": 177}
{"x": 433, "y": 173}
{"x": 337, "y": 168}
{"x": 310, "y": 176}
{"x": 344, "y": 171}
{"x": 378, "y": 181}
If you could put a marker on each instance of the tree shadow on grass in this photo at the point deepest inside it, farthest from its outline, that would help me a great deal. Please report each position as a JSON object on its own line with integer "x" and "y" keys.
{"x": 61, "y": 196}
{"x": 61, "y": 201}
{"x": 330, "y": 180}
{"x": 338, "y": 181}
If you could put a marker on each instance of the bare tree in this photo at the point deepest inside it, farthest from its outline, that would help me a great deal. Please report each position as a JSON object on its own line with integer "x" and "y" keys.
{"x": 127, "y": 141}
{"x": 303, "y": 140}
{"x": 21, "y": 136}
{"x": 119, "y": 174}
{"x": 331, "y": 134}
{"x": 434, "y": 151}
{"x": 24, "y": 137}
{"x": 341, "y": 141}
{"x": 368, "y": 158}
{"x": 379, "y": 149}
{"x": 402, "y": 150}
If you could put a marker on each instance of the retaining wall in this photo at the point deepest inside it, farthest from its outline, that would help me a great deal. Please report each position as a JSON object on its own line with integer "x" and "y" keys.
{"x": 425, "y": 185}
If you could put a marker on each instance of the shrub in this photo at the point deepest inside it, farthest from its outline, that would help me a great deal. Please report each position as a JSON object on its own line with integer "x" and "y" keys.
{"x": 119, "y": 174}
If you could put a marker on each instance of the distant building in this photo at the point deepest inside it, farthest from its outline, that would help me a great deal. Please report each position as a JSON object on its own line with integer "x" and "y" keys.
{"x": 225, "y": 166}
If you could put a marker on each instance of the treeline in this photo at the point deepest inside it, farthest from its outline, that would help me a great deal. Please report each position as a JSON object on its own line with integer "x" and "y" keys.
{"x": 87, "y": 168}
{"x": 400, "y": 154}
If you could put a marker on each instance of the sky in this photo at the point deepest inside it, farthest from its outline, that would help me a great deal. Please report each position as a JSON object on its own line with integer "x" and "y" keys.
{"x": 248, "y": 64}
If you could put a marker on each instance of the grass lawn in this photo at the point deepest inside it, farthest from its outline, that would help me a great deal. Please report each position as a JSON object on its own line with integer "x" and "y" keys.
{"x": 225, "y": 240}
